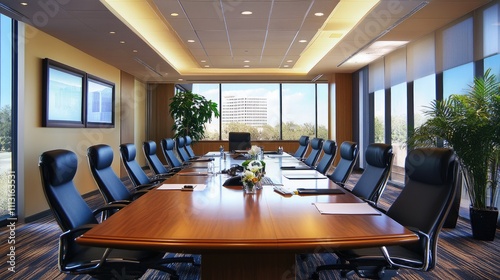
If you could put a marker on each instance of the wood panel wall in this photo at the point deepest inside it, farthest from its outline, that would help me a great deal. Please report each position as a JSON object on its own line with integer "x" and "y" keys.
{"x": 159, "y": 121}
{"x": 127, "y": 112}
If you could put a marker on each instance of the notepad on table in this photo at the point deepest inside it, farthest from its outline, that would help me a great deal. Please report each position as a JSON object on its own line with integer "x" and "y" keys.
{"x": 346, "y": 208}
{"x": 193, "y": 173}
{"x": 196, "y": 187}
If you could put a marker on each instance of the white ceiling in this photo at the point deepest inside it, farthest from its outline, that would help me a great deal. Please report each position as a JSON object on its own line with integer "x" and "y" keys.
{"x": 224, "y": 38}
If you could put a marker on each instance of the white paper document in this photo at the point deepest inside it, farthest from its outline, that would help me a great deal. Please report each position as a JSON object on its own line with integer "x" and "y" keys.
{"x": 196, "y": 187}
{"x": 346, "y": 208}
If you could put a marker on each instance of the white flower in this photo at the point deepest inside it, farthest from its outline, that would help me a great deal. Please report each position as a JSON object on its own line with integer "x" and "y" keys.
{"x": 248, "y": 176}
{"x": 254, "y": 150}
{"x": 254, "y": 166}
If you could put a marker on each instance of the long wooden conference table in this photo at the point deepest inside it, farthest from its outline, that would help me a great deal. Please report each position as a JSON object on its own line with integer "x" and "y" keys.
{"x": 243, "y": 236}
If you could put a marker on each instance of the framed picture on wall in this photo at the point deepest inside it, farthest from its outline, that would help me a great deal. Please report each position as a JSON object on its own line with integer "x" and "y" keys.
{"x": 63, "y": 95}
{"x": 100, "y": 100}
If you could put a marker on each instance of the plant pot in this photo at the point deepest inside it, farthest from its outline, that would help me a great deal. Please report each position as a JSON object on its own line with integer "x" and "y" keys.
{"x": 483, "y": 223}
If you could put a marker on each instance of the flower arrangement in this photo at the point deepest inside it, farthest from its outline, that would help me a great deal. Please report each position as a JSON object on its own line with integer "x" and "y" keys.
{"x": 253, "y": 173}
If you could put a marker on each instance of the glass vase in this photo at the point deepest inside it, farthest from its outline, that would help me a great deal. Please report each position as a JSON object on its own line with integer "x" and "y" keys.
{"x": 249, "y": 188}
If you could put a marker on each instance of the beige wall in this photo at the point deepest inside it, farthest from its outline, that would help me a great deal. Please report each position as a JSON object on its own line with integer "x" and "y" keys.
{"x": 38, "y": 139}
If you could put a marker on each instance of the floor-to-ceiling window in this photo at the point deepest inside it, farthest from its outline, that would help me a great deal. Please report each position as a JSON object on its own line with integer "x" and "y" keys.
{"x": 457, "y": 80}
{"x": 7, "y": 171}
{"x": 210, "y": 92}
{"x": 379, "y": 116}
{"x": 269, "y": 111}
{"x": 424, "y": 94}
{"x": 299, "y": 110}
{"x": 251, "y": 108}
{"x": 399, "y": 131}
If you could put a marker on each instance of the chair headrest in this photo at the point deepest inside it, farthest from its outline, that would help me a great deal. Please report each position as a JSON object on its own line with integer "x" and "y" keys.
{"x": 303, "y": 140}
{"x": 188, "y": 140}
{"x": 348, "y": 150}
{"x": 169, "y": 143}
{"x": 63, "y": 166}
{"x": 316, "y": 143}
{"x": 329, "y": 147}
{"x": 150, "y": 147}
{"x": 430, "y": 165}
{"x": 128, "y": 151}
{"x": 100, "y": 156}
{"x": 378, "y": 154}
{"x": 180, "y": 141}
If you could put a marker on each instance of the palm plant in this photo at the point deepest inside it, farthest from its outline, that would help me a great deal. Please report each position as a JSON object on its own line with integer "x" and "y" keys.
{"x": 470, "y": 124}
{"x": 190, "y": 112}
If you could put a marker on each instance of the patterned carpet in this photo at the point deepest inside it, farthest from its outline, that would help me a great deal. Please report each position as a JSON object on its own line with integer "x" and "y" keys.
{"x": 460, "y": 256}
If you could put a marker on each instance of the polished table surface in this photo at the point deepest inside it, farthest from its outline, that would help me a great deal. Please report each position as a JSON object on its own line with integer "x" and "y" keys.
{"x": 231, "y": 229}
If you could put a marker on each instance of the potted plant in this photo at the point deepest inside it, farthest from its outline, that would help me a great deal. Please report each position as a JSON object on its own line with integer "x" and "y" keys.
{"x": 190, "y": 112}
{"x": 470, "y": 124}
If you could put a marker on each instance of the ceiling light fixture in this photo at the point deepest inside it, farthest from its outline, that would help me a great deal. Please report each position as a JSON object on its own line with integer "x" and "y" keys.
{"x": 319, "y": 14}
{"x": 174, "y": 14}
{"x": 147, "y": 66}
{"x": 190, "y": 41}
{"x": 399, "y": 21}
{"x": 317, "y": 78}
{"x": 302, "y": 41}
{"x": 246, "y": 13}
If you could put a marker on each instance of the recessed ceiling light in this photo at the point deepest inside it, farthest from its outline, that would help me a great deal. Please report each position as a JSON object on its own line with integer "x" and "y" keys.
{"x": 174, "y": 14}
{"x": 24, "y": 4}
{"x": 122, "y": 42}
{"x": 112, "y": 32}
{"x": 246, "y": 66}
{"x": 180, "y": 79}
{"x": 302, "y": 41}
{"x": 289, "y": 61}
{"x": 207, "y": 66}
{"x": 246, "y": 13}
{"x": 190, "y": 41}
{"x": 246, "y": 61}
{"x": 203, "y": 61}
{"x": 286, "y": 66}
{"x": 134, "y": 51}
{"x": 319, "y": 14}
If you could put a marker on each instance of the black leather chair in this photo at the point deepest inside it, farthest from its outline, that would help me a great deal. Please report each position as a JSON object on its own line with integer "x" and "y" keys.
{"x": 134, "y": 170}
{"x": 302, "y": 149}
{"x": 149, "y": 148}
{"x": 329, "y": 152}
{"x": 168, "y": 146}
{"x": 189, "y": 149}
{"x": 373, "y": 180}
{"x": 239, "y": 141}
{"x": 316, "y": 146}
{"x": 348, "y": 157}
{"x": 180, "y": 147}
{"x": 57, "y": 170}
{"x": 100, "y": 158}
{"x": 422, "y": 206}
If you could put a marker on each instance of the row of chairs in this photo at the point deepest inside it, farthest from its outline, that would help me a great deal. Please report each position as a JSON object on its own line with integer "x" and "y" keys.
{"x": 371, "y": 184}
{"x": 422, "y": 206}
{"x": 74, "y": 216}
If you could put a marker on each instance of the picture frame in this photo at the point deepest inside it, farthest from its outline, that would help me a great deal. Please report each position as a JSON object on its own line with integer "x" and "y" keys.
{"x": 62, "y": 95}
{"x": 100, "y": 102}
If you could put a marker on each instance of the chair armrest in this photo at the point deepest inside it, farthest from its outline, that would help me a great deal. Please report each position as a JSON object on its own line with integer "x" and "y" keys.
{"x": 107, "y": 210}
